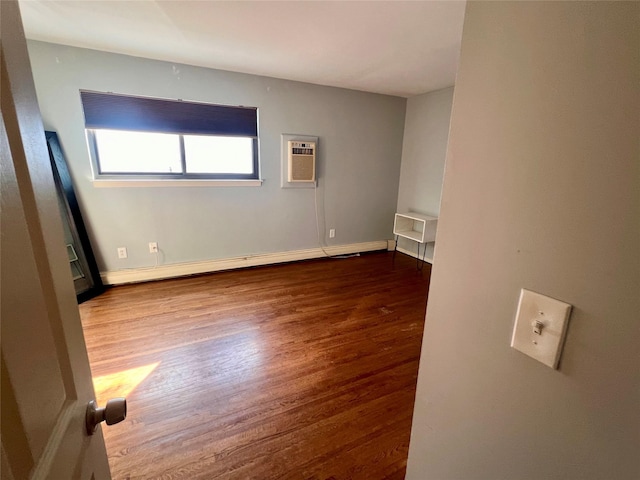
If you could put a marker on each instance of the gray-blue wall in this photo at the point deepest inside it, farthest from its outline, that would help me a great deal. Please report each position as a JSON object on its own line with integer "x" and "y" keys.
{"x": 360, "y": 147}
{"x": 424, "y": 151}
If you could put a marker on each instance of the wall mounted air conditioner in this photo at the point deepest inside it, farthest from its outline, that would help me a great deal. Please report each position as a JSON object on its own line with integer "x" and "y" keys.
{"x": 302, "y": 161}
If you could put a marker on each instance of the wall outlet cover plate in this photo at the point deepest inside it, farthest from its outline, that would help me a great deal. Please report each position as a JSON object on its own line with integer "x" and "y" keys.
{"x": 553, "y": 315}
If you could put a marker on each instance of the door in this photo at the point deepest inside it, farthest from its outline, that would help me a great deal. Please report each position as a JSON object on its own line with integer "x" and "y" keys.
{"x": 46, "y": 381}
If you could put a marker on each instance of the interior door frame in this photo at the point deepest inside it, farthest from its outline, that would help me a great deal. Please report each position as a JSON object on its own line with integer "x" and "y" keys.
{"x": 64, "y": 186}
{"x": 46, "y": 378}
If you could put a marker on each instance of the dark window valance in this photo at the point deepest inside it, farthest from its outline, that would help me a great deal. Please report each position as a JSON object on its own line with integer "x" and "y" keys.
{"x": 123, "y": 112}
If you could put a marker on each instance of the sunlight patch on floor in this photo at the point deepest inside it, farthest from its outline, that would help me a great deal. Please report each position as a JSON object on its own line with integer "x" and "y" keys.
{"x": 121, "y": 384}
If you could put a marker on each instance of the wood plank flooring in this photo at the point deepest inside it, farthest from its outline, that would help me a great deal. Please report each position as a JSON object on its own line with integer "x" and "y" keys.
{"x": 298, "y": 371}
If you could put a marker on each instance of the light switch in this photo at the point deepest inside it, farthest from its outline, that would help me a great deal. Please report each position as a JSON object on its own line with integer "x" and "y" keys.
{"x": 540, "y": 327}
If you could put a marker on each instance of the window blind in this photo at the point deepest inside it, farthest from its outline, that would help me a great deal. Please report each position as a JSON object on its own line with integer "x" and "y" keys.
{"x": 123, "y": 112}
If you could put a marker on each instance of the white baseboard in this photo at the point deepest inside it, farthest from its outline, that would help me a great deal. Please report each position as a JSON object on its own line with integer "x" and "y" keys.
{"x": 132, "y": 275}
{"x": 414, "y": 255}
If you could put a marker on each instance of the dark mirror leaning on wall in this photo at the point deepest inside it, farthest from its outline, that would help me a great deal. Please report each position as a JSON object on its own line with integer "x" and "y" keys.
{"x": 84, "y": 269}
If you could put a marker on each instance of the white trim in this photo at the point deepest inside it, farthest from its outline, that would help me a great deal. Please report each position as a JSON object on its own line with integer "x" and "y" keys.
{"x": 414, "y": 255}
{"x": 181, "y": 269}
{"x": 108, "y": 183}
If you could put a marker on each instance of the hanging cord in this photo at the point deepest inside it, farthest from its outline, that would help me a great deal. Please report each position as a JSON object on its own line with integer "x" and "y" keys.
{"x": 315, "y": 200}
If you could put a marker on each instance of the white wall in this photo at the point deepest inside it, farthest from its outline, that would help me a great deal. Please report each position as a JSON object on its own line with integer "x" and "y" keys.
{"x": 424, "y": 148}
{"x": 359, "y": 162}
{"x": 541, "y": 191}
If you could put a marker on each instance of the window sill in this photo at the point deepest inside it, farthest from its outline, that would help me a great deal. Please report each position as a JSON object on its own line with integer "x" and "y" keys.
{"x": 119, "y": 183}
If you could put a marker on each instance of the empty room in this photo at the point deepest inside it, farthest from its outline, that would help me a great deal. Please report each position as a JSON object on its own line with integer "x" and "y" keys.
{"x": 320, "y": 240}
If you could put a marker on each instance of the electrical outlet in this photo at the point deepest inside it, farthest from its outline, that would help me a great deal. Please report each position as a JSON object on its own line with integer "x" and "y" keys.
{"x": 122, "y": 252}
{"x": 153, "y": 247}
{"x": 332, "y": 233}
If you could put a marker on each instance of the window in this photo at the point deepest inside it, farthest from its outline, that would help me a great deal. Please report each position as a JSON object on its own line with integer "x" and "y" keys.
{"x": 148, "y": 138}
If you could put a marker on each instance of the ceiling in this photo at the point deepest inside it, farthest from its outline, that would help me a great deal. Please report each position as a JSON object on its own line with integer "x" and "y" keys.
{"x": 390, "y": 47}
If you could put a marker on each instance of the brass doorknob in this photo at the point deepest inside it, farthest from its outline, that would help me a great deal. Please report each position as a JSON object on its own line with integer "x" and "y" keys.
{"x": 114, "y": 412}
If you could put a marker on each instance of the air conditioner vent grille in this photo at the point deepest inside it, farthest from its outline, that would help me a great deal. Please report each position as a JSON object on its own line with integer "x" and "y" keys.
{"x": 302, "y": 161}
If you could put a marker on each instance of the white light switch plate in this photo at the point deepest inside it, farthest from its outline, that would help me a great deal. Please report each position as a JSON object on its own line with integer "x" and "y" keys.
{"x": 554, "y": 317}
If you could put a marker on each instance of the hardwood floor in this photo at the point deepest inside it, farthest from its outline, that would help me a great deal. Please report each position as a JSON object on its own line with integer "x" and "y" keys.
{"x": 297, "y": 371}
